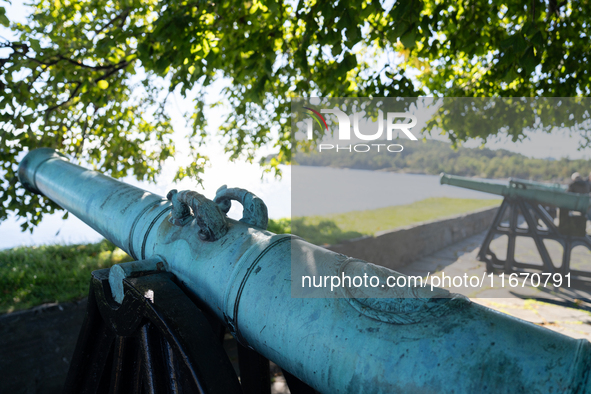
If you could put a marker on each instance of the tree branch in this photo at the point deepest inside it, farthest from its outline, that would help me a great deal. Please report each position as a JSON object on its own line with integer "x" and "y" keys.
{"x": 120, "y": 66}
{"x": 54, "y": 107}
{"x": 122, "y": 16}
{"x": 59, "y": 58}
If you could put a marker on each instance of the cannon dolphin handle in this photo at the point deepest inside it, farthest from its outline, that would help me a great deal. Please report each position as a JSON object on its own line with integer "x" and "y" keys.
{"x": 210, "y": 219}
{"x": 254, "y": 209}
{"x": 335, "y": 344}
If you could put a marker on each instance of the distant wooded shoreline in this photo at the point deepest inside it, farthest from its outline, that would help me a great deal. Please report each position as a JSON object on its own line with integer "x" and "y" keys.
{"x": 435, "y": 157}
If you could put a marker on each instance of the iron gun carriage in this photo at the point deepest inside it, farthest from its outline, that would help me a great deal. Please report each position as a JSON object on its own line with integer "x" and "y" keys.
{"x": 526, "y": 213}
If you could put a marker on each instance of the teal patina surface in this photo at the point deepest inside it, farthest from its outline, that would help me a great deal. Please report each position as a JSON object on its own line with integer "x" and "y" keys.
{"x": 419, "y": 341}
{"x": 545, "y": 193}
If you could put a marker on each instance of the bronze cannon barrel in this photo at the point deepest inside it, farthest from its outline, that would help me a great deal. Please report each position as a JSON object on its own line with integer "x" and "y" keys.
{"x": 409, "y": 340}
{"x": 534, "y": 191}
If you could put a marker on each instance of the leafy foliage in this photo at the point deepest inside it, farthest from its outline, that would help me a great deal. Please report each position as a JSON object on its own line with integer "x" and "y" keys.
{"x": 91, "y": 77}
{"x": 502, "y": 48}
{"x": 464, "y": 118}
{"x": 280, "y": 226}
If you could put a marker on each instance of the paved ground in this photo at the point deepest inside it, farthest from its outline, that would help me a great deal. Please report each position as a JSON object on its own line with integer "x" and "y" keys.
{"x": 565, "y": 310}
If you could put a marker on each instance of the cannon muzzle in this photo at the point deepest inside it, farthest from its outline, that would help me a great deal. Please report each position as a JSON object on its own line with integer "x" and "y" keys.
{"x": 533, "y": 191}
{"x": 424, "y": 341}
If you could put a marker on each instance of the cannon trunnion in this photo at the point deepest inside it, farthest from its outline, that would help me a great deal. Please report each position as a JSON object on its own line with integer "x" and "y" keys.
{"x": 154, "y": 325}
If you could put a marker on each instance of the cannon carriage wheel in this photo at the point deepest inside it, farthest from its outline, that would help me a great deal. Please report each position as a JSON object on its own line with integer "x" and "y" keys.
{"x": 158, "y": 341}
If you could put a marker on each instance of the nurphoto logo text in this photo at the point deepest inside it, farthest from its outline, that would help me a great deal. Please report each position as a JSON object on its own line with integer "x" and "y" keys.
{"x": 393, "y": 130}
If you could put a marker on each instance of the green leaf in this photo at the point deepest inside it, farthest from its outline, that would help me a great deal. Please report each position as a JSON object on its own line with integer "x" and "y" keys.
{"x": 409, "y": 39}
{"x": 85, "y": 64}
{"x": 3, "y": 19}
{"x": 507, "y": 43}
{"x": 529, "y": 61}
{"x": 511, "y": 75}
{"x": 529, "y": 29}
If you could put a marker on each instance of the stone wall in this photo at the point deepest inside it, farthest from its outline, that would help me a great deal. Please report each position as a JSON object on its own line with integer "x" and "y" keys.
{"x": 36, "y": 346}
{"x": 397, "y": 248}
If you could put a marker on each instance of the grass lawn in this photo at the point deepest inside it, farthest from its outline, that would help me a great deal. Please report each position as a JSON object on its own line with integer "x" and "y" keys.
{"x": 31, "y": 276}
{"x": 332, "y": 229}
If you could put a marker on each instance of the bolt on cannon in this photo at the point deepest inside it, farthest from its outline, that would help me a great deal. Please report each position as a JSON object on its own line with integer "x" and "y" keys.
{"x": 152, "y": 325}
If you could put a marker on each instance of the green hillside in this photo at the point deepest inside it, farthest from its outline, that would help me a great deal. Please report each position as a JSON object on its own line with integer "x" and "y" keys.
{"x": 435, "y": 157}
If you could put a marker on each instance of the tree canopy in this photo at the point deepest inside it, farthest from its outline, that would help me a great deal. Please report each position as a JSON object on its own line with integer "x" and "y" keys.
{"x": 91, "y": 77}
